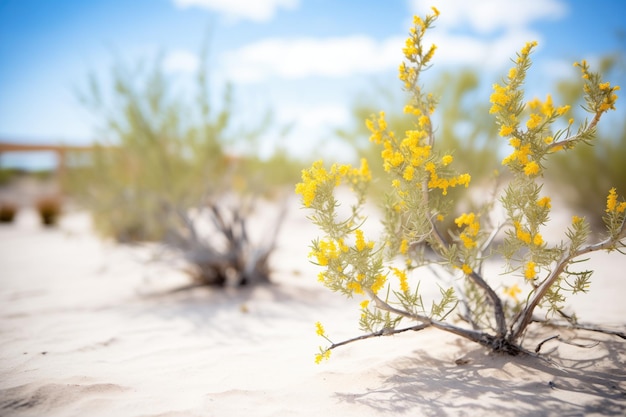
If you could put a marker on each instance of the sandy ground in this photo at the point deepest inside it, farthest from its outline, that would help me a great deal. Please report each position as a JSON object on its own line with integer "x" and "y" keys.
{"x": 88, "y": 328}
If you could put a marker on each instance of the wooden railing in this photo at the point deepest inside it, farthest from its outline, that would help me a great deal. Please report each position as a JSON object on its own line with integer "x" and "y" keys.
{"x": 59, "y": 150}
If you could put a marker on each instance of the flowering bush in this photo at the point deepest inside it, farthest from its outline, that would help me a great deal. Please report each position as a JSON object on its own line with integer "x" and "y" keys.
{"x": 384, "y": 272}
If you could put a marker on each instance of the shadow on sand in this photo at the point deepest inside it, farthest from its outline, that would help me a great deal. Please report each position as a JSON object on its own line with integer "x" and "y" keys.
{"x": 483, "y": 384}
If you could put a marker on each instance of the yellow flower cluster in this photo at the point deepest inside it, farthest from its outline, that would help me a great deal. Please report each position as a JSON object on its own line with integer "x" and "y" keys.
{"x": 317, "y": 176}
{"x": 327, "y": 251}
{"x": 404, "y": 246}
{"x": 512, "y": 291}
{"x": 505, "y": 99}
{"x": 379, "y": 283}
{"x": 602, "y": 94}
{"x": 360, "y": 242}
{"x": 414, "y": 52}
{"x": 319, "y": 357}
{"x": 444, "y": 183}
{"x": 545, "y": 112}
{"x": 544, "y": 202}
{"x": 472, "y": 227}
{"x": 526, "y": 237}
{"x": 404, "y": 284}
{"x": 529, "y": 270}
{"x": 377, "y": 127}
{"x": 612, "y": 206}
{"x": 319, "y": 329}
{"x": 521, "y": 156}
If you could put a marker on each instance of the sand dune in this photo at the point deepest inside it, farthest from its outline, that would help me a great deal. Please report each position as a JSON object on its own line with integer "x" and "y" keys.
{"x": 89, "y": 328}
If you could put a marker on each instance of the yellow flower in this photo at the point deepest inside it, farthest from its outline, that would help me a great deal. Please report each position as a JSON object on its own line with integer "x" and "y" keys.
{"x": 447, "y": 159}
{"x": 360, "y": 240}
{"x": 408, "y": 173}
{"x": 466, "y": 269}
{"x": 505, "y": 130}
{"x": 529, "y": 271}
{"x": 355, "y": 287}
{"x": 528, "y": 48}
{"x": 364, "y": 304}
{"x": 499, "y": 98}
{"x": 319, "y": 329}
{"x": 611, "y": 201}
{"x": 544, "y": 202}
{"x": 534, "y": 121}
{"x": 378, "y": 283}
{"x": 537, "y": 240}
{"x": 521, "y": 234}
{"x": 512, "y": 291}
{"x": 321, "y": 356}
{"x": 434, "y": 9}
{"x": 531, "y": 168}
{"x": 404, "y": 285}
{"x": 576, "y": 219}
{"x": 404, "y": 246}
{"x": 562, "y": 110}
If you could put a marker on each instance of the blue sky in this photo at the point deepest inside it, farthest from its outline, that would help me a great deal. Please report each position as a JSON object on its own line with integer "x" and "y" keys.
{"x": 306, "y": 60}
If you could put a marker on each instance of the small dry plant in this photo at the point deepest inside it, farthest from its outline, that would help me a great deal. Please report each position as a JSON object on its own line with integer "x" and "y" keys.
{"x": 49, "y": 209}
{"x": 216, "y": 243}
{"x": 386, "y": 271}
{"x": 8, "y": 212}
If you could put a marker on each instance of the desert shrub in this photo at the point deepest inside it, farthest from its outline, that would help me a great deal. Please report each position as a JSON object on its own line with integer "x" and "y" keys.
{"x": 49, "y": 210}
{"x": 385, "y": 271}
{"x": 8, "y": 211}
{"x": 164, "y": 169}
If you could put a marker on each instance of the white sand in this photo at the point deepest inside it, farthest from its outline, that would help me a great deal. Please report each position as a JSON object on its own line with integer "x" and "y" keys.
{"x": 88, "y": 329}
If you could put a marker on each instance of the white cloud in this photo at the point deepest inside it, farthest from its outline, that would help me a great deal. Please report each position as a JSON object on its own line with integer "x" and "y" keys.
{"x": 311, "y": 117}
{"x": 304, "y": 57}
{"x": 181, "y": 61}
{"x": 255, "y": 10}
{"x": 489, "y": 16}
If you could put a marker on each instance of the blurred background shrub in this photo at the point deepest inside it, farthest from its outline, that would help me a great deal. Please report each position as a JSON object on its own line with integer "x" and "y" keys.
{"x": 165, "y": 159}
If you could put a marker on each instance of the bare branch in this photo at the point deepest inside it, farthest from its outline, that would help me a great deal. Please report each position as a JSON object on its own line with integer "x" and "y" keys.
{"x": 383, "y": 332}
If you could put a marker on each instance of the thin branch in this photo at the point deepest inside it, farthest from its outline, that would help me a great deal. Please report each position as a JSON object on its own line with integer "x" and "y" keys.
{"x": 577, "y": 136}
{"x": 525, "y": 316}
{"x": 495, "y": 300}
{"x": 538, "y": 348}
{"x": 383, "y": 332}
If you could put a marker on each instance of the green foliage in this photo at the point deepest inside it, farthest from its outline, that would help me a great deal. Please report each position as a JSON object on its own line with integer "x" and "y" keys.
{"x": 418, "y": 177}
